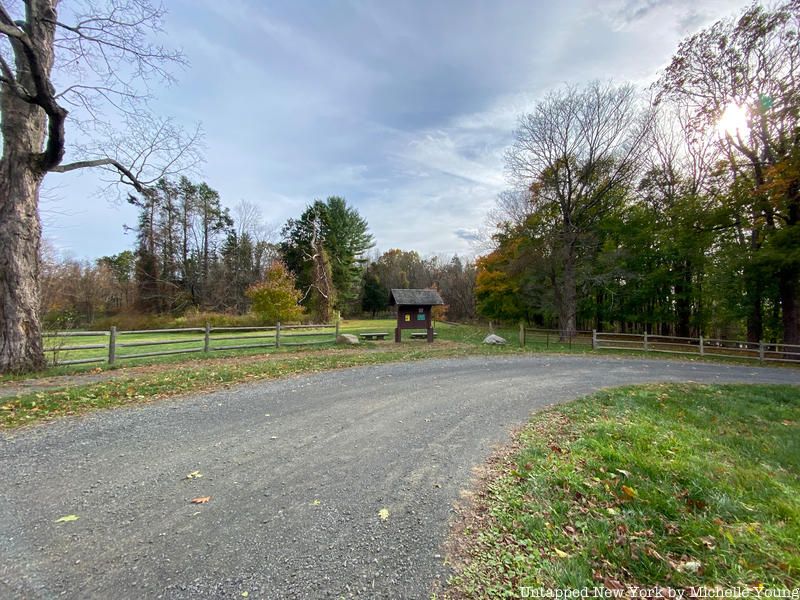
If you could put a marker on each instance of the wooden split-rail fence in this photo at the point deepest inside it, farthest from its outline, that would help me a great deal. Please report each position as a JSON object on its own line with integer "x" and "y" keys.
{"x": 113, "y": 345}
{"x": 647, "y": 342}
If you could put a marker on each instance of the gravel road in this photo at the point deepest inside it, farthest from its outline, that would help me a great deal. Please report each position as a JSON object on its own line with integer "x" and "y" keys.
{"x": 297, "y": 471}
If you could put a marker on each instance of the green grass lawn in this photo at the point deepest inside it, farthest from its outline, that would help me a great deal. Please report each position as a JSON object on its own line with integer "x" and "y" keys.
{"x": 193, "y": 341}
{"x": 471, "y": 335}
{"x": 675, "y": 485}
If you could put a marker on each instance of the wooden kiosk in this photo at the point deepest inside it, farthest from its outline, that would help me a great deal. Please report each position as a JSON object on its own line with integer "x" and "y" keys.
{"x": 414, "y": 310}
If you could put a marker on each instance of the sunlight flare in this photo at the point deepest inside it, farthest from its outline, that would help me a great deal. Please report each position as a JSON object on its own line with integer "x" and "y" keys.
{"x": 734, "y": 121}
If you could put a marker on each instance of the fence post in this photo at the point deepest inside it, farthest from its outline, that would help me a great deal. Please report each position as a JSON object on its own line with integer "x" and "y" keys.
{"x": 522, "y": 334}
{"x": 594, "y": 339}
{"x": 278, "y": 335}
{"x": 207, "y": 338}
{"x": 761, "y": 350}
{"x": 337, "y": 325}
{"x": 112, "y": 345}
{"x": 702, "y": 348}
{"x": 646, "y": 347}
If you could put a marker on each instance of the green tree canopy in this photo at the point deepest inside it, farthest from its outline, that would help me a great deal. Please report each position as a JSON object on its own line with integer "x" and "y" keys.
{"x": 339, "y": 233}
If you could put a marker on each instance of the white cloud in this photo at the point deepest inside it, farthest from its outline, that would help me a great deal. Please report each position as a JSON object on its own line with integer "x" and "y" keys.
{"x": 403, "y": 108}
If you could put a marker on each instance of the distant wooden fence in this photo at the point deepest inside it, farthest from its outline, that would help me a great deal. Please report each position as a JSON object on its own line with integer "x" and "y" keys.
{"x": 192, "y": 339}
{"x": 553, "y": 336}
{"x": 699, "y": 346}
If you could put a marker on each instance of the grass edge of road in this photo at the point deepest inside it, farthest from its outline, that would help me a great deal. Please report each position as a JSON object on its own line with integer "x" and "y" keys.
{"x": 675, "y": 485}
{"x": 141, "y": 387}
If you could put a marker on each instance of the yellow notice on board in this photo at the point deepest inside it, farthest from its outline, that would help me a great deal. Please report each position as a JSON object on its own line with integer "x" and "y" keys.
{"x": 408, "y": 318}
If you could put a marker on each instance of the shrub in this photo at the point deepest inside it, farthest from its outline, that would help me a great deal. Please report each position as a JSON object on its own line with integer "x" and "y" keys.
{"x": 276, "y": 298}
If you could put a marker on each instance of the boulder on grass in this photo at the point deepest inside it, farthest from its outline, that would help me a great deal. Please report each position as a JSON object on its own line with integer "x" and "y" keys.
{"x": 494, "y": 339}
{"x": 348, "y": 339}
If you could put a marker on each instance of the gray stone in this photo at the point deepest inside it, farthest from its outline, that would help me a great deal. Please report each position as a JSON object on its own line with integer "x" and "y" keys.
{"x": 347, "y": 338}
{"x": 493, "y": 339}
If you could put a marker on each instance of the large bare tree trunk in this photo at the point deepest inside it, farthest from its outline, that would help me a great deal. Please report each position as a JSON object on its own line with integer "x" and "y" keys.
{"x": 22, "y": 169}
{"x": 20, "y": 238}
{"x": 106, "y": 44}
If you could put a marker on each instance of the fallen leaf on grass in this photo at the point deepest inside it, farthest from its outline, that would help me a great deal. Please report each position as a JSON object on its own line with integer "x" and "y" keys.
{"x": 383, "y": 514}
{"x": 691, "y": 566}
{"x": 727, "y": 535}
{"x": 653, "y": 553}
{"x": 629, "y": 491}
{"x": 613, "y": 584}
{"x": 709, "y": 542}
{"x": 201, "y": 500}
{"x": 561, "y": 553}
{"x": 67, "y": 519}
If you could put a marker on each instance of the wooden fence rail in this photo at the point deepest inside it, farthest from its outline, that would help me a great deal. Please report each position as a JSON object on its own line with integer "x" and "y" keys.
{"x": 548, "y": 336}
{"x": 56, "y": 342}
{"x": 699, "y": 346}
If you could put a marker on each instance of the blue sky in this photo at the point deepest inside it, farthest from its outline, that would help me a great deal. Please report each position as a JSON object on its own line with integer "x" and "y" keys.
{"x": 404, "y": 108}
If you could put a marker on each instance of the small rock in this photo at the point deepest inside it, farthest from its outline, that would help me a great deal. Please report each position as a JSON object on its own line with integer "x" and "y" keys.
{"x": 494, "y": 339}
{"x": 347, "y": 338}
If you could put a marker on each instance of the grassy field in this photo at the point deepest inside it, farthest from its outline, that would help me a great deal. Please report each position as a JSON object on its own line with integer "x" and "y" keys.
{"x": 466, "y": 334}
{"x": 64, "y": 392}
{"x": 671, "y": 485}
{"x": 127, "y": 343}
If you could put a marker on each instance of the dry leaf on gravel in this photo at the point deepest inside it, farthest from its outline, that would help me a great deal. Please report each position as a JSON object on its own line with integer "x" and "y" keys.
{"x": 67, "y": 519}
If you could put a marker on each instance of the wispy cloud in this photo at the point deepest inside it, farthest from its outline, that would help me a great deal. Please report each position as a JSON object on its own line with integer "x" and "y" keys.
{"x": 404, "y": 108}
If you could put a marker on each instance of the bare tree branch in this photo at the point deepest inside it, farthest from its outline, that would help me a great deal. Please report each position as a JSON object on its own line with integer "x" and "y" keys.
{"x": 100, "y": 162}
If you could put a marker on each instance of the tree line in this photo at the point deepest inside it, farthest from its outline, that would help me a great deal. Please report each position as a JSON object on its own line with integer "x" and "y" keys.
{"x": 194, "y": 254}
{"x": 674, "y": 211}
